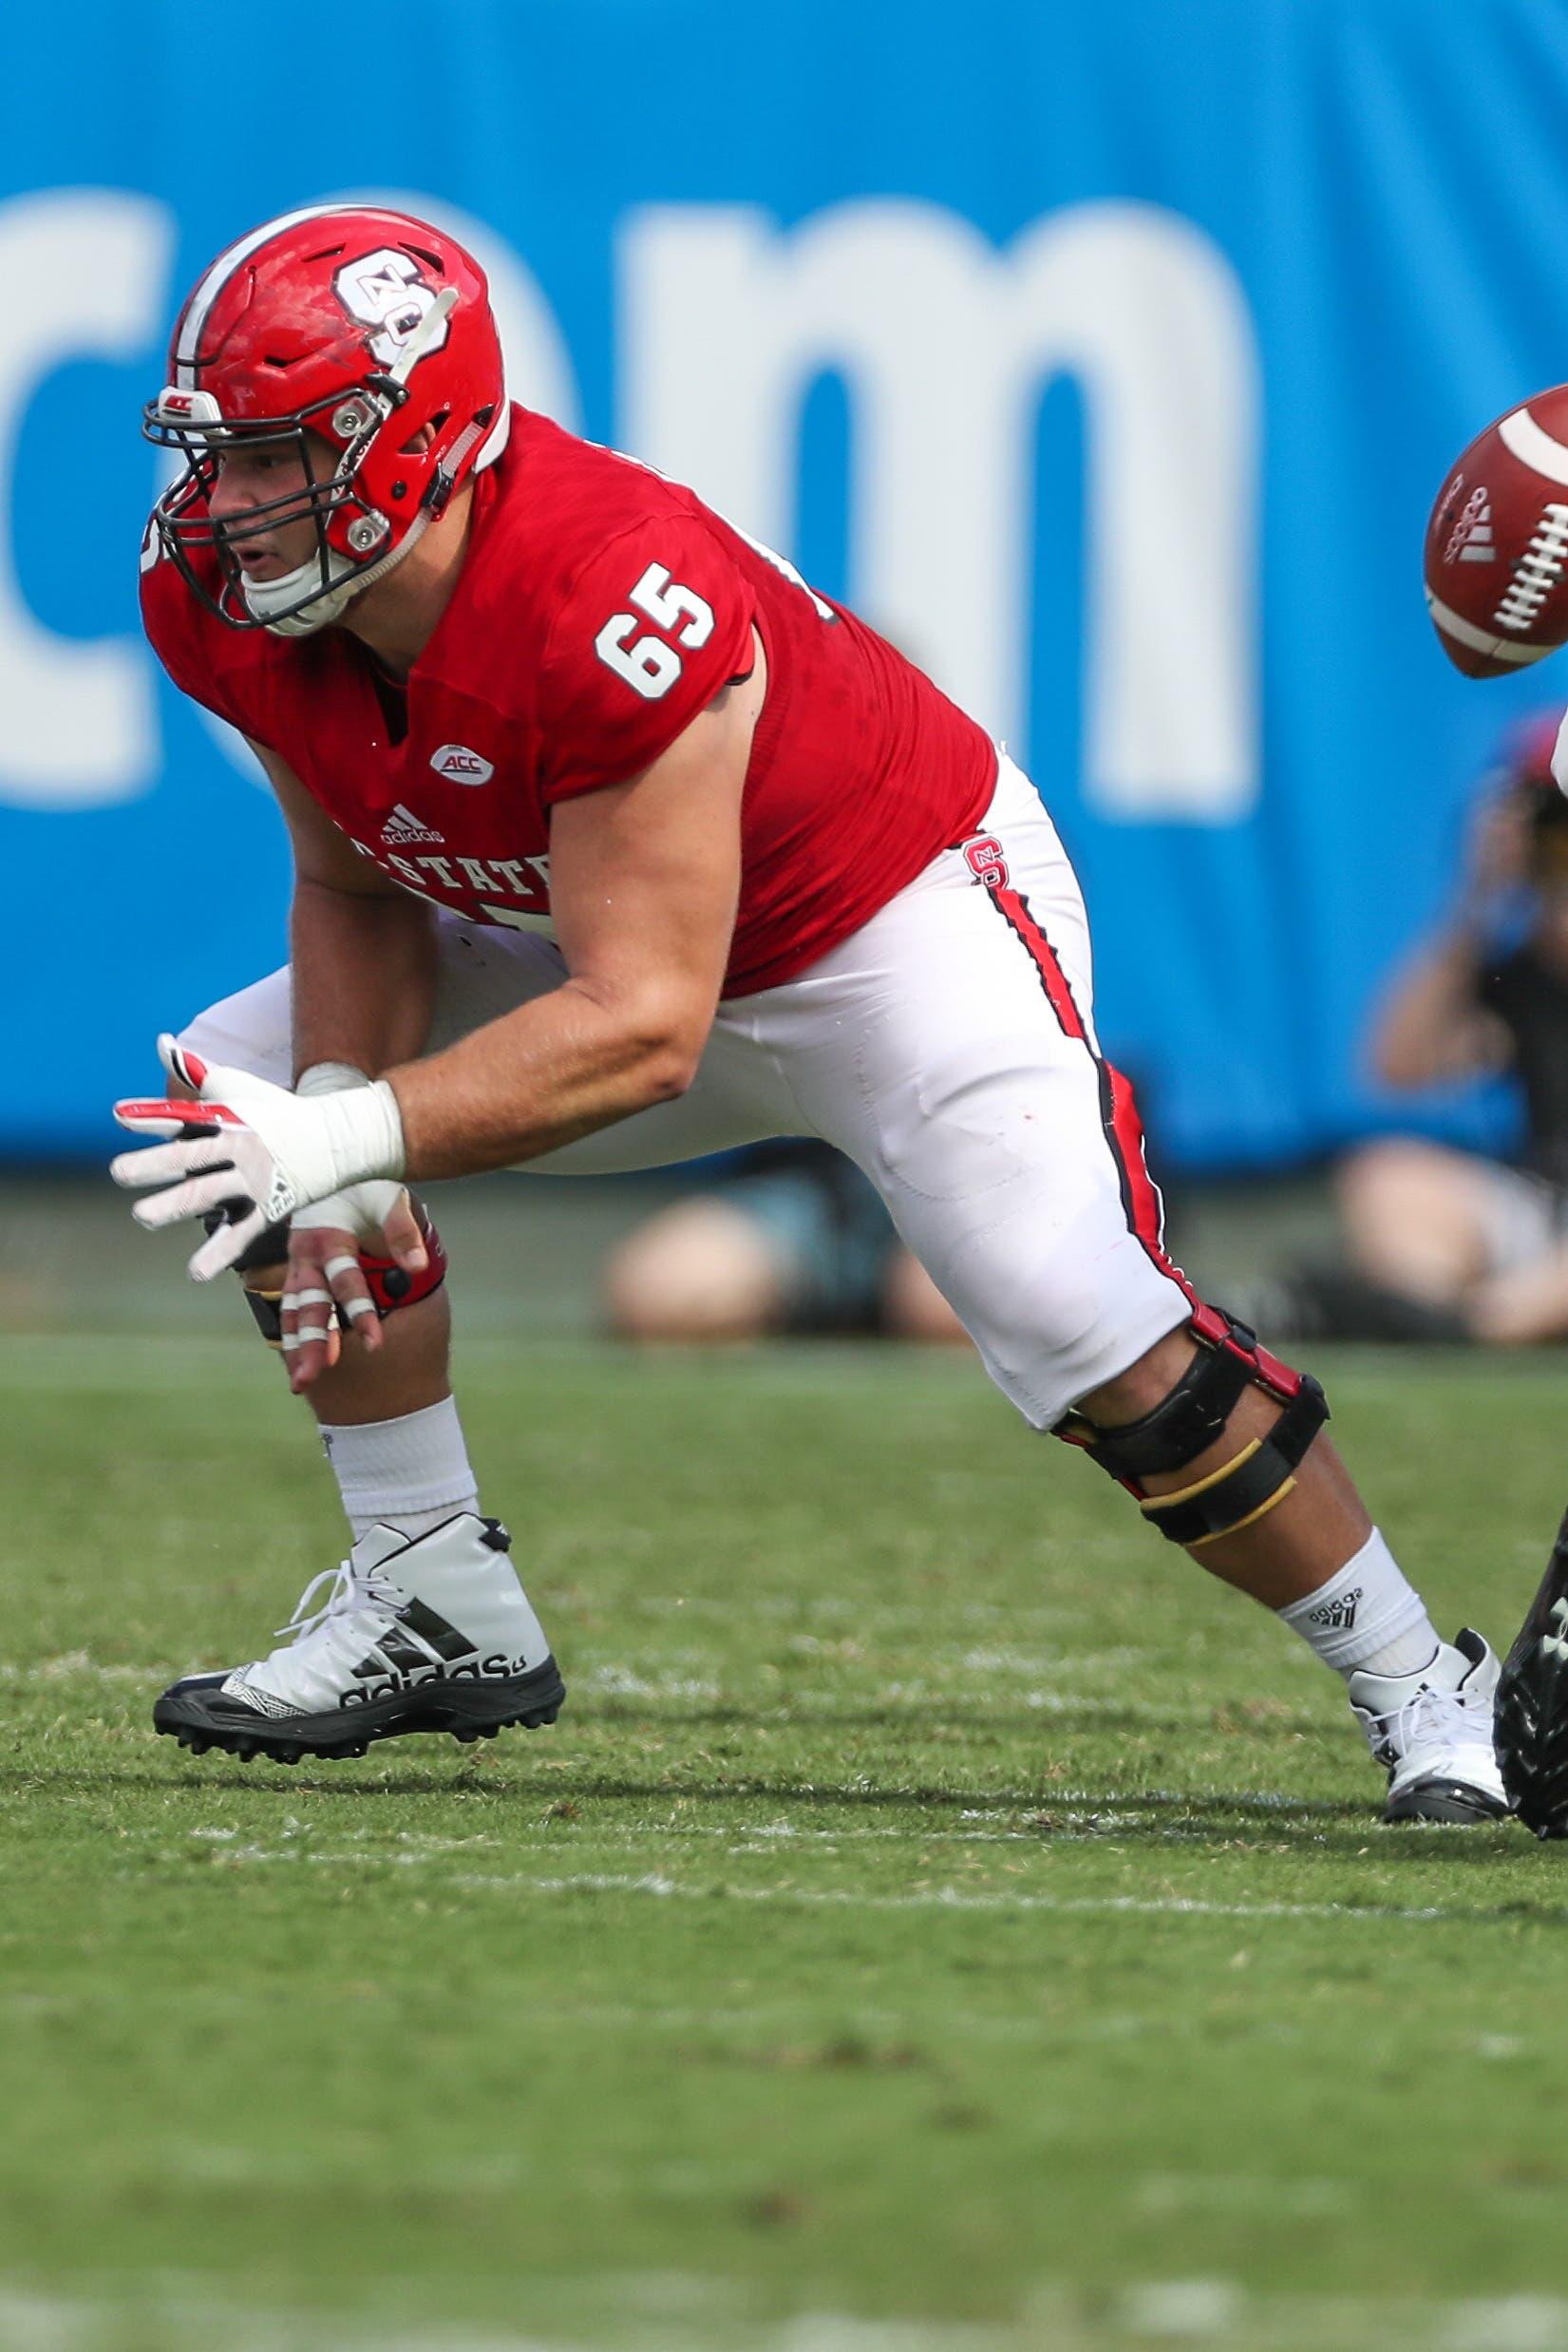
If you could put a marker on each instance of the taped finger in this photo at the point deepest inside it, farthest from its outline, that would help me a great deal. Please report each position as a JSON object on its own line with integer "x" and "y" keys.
{"x": 342, "y": 1272}
{"x": 294, "y": 1343}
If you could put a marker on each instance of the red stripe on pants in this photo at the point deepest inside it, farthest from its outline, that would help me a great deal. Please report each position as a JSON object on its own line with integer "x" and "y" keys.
{"x": 1057, "y": 986}
{"x": 1119, "y": 1117}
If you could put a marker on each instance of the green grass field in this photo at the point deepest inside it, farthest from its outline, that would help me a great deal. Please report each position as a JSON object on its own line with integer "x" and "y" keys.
{"x": 942, "y": 1921}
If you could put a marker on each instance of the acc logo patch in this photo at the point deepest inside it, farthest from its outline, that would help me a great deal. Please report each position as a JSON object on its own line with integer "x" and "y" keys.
{"x": 460, "y": 766}
{"x": 384, "y": 290}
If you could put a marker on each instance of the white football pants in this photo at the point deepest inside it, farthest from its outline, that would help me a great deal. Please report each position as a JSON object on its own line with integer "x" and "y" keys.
{"x": 947, "y": 1046}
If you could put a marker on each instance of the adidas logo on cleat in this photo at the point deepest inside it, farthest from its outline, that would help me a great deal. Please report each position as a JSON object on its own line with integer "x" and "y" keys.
{"x": 376, "y": 1661}
{"x": 394, "y": 1647}
{"x": 392, "y": 1684}
{"x": 402, "y": 1658}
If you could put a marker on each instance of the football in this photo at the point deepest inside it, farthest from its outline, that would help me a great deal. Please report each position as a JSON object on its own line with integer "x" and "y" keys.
{"x": 1496, "y": 545}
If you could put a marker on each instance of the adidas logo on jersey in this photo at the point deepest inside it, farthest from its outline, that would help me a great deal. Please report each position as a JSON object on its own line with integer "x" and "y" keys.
{"x": 403, "y": 827}
{"x": 460, "y": 766}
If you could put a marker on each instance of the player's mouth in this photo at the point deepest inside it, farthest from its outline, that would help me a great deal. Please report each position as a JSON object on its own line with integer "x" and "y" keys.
{"x": 260, "y": 563}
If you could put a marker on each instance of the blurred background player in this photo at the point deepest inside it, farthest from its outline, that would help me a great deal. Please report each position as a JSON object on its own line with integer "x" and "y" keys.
{"x": 787, "y": 1237}
{"x": 1443, "y": 1244}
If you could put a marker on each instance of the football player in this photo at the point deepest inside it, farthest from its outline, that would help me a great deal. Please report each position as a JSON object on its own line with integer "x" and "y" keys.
{"x": 1443, "y": 1244}
{"x": 1484, "y": 1239}
{"x": 616, "y": 844}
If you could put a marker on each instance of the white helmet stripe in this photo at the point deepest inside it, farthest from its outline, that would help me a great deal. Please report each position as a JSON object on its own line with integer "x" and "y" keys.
{"x": 217, "y": 277}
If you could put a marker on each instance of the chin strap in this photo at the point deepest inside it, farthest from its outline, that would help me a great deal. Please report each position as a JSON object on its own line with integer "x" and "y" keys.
{"x": 266, "y": 596}
{"x": 347, "y": 580}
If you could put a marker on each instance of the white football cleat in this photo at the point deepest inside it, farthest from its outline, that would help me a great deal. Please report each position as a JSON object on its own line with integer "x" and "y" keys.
{"x": 433, "y": 1635}
{"x": 1434, "y": 1733}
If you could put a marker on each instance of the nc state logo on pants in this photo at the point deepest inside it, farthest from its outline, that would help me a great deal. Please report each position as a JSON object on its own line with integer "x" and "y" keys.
{"x": 984, "y": 857}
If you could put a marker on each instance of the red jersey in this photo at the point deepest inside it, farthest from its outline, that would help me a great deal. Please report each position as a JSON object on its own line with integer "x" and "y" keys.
{"x": 598, "y": 610}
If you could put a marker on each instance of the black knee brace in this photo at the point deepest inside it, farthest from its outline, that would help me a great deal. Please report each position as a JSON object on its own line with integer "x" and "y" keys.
{"x": 1193, "y": 1418}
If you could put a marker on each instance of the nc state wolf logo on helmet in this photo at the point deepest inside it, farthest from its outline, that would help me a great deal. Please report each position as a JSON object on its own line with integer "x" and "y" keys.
{"x": 385, "y": 290}
{"x": 411, "y": 398}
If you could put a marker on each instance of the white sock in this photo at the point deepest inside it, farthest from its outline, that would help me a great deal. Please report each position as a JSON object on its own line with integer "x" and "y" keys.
{"x": 1366, "y": 1617}
{"x": 410, "y": 1473}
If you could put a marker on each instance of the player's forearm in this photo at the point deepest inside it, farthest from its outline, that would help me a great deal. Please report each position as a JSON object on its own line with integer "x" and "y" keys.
{"x": 1427, "y": 1028}
{"x": 364, "y": 976}
{"x": 563, "y": 1067}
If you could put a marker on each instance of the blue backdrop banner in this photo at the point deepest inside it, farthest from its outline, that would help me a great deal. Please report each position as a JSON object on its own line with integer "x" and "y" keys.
{"x": 1107, "y": 358}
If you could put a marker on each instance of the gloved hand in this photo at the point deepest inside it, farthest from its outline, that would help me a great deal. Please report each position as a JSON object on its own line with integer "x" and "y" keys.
{"x": 325, "y": 1279}
{"x": 376, "y": 1211}
{"x": 273, "y": 1154}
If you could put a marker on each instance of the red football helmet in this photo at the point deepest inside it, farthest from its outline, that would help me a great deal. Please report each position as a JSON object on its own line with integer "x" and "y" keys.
{"x": 364, "y": 327}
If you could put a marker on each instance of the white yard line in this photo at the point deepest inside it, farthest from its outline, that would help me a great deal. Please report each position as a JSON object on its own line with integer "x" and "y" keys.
{"x": 61, "y": 2324}
{"x": 394, "y": 1845}
{"x": 38, "y": 2323}
{"x": 675, "y": 2314}
{"x": 952, "y": 1899}
{"x": 655, "y": 1884}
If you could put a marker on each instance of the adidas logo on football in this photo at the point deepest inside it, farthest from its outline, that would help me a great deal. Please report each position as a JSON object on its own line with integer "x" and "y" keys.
{"x": 403, "y": 827}
{"x": 1470, "y": 541}
{"x": 460, "y": 766}
{"x": 1338, "y": 1615}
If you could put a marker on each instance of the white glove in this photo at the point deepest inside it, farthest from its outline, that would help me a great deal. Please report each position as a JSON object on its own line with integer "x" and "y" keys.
{"x": 275, "y": 1154}
{"x": 364, "y": 1208}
